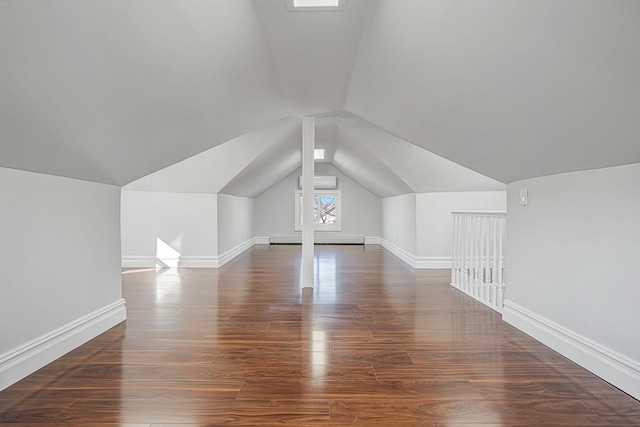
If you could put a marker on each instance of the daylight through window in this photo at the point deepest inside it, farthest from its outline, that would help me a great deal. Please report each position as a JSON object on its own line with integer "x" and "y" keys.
{"x": 326, "y": 210}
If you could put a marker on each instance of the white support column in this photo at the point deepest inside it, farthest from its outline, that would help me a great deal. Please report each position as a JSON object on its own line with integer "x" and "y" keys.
{"x": 308, "y": 144}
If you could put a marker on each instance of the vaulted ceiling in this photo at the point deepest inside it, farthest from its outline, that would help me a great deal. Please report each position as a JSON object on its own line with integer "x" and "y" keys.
{"x": 410, "y": 95}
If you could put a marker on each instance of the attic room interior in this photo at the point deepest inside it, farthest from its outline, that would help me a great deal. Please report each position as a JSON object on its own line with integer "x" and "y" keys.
{"x": 151, "y": 160}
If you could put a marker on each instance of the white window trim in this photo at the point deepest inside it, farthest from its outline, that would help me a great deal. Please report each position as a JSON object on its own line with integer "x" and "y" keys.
{"x": 321, "y": 227}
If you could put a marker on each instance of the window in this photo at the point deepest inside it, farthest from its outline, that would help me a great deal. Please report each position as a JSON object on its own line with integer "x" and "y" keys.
{"x": 326, "y": 210}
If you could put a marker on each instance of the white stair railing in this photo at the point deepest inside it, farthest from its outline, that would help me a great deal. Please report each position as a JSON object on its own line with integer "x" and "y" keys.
{"x": 479, "y": 243}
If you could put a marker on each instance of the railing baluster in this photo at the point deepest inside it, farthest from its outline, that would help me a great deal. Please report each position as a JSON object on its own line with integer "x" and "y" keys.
{"x": 478, "y": 257}
{"x": 457, "y": 242}
{"x": 474, "y": 253}
{"x": 479, "y": 287}
{"x": 500, "y": 258}
{"x": 487, "y": 266}
{"x": 493, "y": 251}
{"x": 453, "y": 251}
{"x": 465, "y": 255}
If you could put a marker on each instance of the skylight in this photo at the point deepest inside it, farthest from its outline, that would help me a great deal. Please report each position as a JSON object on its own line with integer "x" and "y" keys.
{"x": 318, "y": 154}
{"x": 316, "y": 3}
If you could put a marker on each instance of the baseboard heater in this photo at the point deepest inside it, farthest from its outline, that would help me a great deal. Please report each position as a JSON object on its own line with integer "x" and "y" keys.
{"x": 318, "y": 240}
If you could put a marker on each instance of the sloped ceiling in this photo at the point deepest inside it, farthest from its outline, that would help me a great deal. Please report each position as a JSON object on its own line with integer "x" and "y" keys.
{"x": 211, "y": 170}
{"x": 115, "y": 90}
{"x": 252, "y": 163}
{"x": 404, "y": 165}
{"x": 313, "y": 52}
{"x": 511, "y": 89}
{"x": 112, "y": 90}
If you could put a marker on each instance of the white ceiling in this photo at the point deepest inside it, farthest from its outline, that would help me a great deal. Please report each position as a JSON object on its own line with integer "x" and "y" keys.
{"x": 313, "y": 52}
{"x": 511, "y": 89}
{"x": 212, "y": 170}
{"x": 112, "y": 90}
{"x": 115, "y": 90}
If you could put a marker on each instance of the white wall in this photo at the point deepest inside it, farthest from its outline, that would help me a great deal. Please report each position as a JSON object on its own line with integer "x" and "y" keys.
{"x": 399, "y": 222}
{"x": 572, "y": 268}
{"x": 187, "y": 222}
{"x": 235, "y": 221}
{"x": 418, "y": 228}
{"x": 275, "y": 208}
{"x": 60, "y": 262}
{"x": 434, "y": 222}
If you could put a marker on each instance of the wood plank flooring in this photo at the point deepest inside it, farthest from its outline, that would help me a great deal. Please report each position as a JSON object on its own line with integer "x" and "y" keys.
{"x": 374, "y": 344}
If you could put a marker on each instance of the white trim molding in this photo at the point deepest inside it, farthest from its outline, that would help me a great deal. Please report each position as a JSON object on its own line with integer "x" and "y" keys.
{"x": 262, "y": 240}
{"x": 417, "y": 262}
{"x": 319, "y": 238}
{"x": 339, "y": 240}
{"x": 611, "y": 366}
{"x": 432, "y": 262}
{"x": 227, "y": 256}
{"x": 371, "y": 240}
{"x": 192, "y": 261}
{"x": 142, "y": 261}
{"x": 33, "y": 355}
{"x": 198, "y": 262}
{"x": 398, "y": 251}
{"x": 139, "y": 261}
{"x": 293, "y": 239}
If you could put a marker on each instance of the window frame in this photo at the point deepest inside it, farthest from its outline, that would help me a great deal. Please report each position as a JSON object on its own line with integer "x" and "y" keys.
{"x": 320, "y": 227}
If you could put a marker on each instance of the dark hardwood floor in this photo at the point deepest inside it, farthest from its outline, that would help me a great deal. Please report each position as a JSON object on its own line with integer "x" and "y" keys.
{"x": 373, "y": 344}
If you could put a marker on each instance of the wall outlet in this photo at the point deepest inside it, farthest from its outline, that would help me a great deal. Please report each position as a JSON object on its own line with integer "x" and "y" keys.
{"x": 524, "y": 196}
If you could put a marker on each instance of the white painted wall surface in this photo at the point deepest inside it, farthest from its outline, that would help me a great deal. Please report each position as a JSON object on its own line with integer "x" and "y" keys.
{"x": 60, "y": 252}
{"x": 572, "y": 259}
{"x": 399, "y": 221}
{"x": 60, "y": 261}
{"x": 185, "y": 221}
{"x": 275, "y": 208}
{"x": 235, "y": 221}
{"x": 434, "y": 223}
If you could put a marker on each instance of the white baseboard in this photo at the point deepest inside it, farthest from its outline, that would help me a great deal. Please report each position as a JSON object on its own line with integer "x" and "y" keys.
{"x": 182, "y": 262}
{"x": 293, "y": 239}
{"x": 320, "y": 238}
{"x": 399, "y": 252}
{"x": 339, "y": 240}
{"x": 262, "y": 240}
{"x": 198, "y": 262}
{"x": 613, "y": 367}
{"x": 227, "y": 256}
{"x": 28, "y": 358}
{"x": 371, "y": 240}
{"x": 191, "y": 261}
{"x": 432, "y": 262}
{"x": 417, "y": 262}
{"x": 139, "y": 261}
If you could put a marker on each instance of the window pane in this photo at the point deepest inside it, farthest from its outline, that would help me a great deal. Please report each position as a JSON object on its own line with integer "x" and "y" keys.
{"x": 324, "y": 209}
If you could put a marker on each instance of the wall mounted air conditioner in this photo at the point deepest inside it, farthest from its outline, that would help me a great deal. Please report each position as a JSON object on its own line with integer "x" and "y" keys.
{"x": 322, "y": 182}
